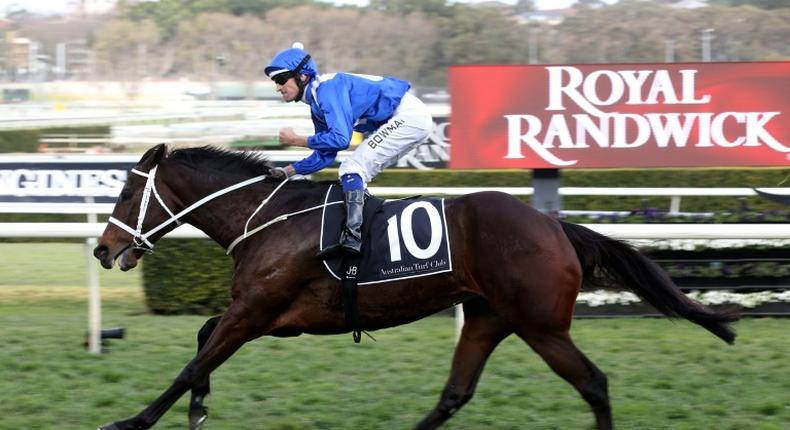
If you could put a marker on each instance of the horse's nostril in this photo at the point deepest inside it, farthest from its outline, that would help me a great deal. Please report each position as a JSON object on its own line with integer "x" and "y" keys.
{"x": 100, "y": 252}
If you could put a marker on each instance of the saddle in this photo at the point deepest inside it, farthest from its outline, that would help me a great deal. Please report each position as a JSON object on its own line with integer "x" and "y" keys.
{"x": 402, "y": 238}
{"x": 405, "y": 238}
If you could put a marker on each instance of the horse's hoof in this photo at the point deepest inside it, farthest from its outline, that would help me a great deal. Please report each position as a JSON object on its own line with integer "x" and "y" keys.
{"x": 108, "y": 427}
{"x": 197, "y": 421}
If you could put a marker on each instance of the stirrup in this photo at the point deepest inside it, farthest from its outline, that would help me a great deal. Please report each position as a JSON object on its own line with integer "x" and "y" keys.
{"x": 351, "y": 249}
{"x": 351, "y": 244}
{"x": 330, "y": 252}
{"x": 337, "y": 250}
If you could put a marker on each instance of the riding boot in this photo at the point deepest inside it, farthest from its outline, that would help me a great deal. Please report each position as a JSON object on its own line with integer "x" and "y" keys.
{"x": 351, "y": 237}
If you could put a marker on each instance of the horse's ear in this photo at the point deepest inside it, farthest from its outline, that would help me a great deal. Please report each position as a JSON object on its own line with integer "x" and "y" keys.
{"x": 152, "y": 157}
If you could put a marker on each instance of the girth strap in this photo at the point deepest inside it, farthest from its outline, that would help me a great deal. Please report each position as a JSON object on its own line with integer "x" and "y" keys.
{"x": 348, "y": 287}
{"x": 350, "y": 273}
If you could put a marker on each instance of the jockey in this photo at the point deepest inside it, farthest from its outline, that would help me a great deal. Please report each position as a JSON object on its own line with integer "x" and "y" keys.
{"x": 392, "y": 120}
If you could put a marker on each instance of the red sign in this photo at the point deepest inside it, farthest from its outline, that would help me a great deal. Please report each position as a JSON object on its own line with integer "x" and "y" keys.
{"x": 627, "y": 115}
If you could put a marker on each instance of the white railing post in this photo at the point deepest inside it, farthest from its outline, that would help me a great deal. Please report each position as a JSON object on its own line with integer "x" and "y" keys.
{"x": 94, "y": 292}
{"x": 674, "y": 205}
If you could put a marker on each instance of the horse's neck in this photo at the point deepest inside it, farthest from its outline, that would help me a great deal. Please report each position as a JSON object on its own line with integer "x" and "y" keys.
{"x": 224, "y": 217}
{"x": 221, "y": 217}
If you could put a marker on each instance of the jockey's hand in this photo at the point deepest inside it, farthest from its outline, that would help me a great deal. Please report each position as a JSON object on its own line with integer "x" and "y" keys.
{"x": 282, "y": 172}
{"x": 289, "y": 137}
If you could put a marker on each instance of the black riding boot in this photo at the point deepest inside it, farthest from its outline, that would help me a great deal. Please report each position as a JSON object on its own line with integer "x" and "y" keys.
{"x": 351, "y": 237}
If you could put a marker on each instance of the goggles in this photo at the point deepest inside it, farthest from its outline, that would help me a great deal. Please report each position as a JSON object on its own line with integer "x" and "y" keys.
{"x": 282, "y": 78}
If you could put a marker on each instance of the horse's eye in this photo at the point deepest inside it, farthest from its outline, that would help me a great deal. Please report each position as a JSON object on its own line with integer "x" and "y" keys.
{"x": 126, "y": 194}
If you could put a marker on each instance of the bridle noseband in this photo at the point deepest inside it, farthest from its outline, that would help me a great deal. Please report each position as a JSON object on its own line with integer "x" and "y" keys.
{"x": 140, "y": 240}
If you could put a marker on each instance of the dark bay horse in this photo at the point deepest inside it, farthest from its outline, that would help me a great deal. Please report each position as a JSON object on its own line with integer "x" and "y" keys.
{"x": 515, "y": 270}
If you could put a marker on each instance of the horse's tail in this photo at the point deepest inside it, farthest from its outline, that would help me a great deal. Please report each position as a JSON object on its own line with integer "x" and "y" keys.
{"x": 607, "y": 261}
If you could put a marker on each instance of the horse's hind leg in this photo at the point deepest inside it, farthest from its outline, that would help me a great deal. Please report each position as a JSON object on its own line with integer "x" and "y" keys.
{"x": 197, "y": 411}
{"x": 482, "y": 332}
{"x": 559, "y": 352}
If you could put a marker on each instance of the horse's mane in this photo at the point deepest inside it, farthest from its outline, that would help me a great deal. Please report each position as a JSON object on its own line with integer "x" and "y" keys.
{"x": 246, "y": 163}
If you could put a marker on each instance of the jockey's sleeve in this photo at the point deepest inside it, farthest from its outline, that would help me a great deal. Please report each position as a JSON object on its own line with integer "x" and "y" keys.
{"x": 334, "y": 122}
{"x": 315, "y": 162}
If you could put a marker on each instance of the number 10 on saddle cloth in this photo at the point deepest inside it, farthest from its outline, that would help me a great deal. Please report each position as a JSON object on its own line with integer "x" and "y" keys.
{"x": 401, "y": 238}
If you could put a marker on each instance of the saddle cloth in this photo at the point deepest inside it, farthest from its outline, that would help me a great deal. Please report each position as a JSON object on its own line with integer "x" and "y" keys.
{"x": 400, "y": 238}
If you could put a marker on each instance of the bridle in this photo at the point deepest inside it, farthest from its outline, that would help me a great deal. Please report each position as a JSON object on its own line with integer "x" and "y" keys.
{"x": 140, "y": 240}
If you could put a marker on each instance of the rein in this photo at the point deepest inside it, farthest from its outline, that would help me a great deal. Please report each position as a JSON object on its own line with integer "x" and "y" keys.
{"x": 140, "y": 239}
{"x": 274, "y": 220}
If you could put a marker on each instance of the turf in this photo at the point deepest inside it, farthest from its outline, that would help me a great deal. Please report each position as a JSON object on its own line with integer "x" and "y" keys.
{"x": 662, "y": 375}
{"x": 55, "y": 264}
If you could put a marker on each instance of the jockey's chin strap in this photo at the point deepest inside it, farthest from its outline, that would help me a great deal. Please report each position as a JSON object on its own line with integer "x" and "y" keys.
{"x": 299, "y": 82}
{"x": 140, "y": 239}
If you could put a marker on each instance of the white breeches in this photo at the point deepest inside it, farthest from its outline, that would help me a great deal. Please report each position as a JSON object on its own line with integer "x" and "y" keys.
{"x": 410, "y": 124}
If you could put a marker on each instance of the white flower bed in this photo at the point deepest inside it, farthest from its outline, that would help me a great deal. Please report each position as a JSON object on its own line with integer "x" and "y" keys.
{"x": 695, "y": 244}
{"x": 713, "y": 297}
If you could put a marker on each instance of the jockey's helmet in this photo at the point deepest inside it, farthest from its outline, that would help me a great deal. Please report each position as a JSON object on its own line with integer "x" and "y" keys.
{"x": 294, "y": 60}
{"x": 290, "y": 63}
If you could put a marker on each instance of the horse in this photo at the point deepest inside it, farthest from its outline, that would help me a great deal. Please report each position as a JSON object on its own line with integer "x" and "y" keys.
{"x": 515, "y": 271}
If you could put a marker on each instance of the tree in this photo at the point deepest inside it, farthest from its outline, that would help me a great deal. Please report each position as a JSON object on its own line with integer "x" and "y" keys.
{"x": 349, "y": 39}
{"x": 744, "y": 33}
{"x": 524, "y": 6}
{"x": 591, "y": 4}
{"x": 760, "y": 4}
{"x": 480, "y": 36}
{"x": 168, "y": 14}
{"x": 639, "y": 31}
{"x": 124, "y": 49}
{"x": 216, "y": 45}
{"x": 417, "y": 40}
{"x": 411, "y": 58}
{"x": 431, "y": 8}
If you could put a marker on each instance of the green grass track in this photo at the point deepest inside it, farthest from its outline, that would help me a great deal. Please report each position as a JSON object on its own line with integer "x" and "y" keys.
{"x": 662, "y": 374}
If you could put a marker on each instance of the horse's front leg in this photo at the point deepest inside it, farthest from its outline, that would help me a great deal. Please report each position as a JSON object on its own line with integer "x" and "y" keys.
{"x": 197, "y": 411}
{"x": 230, "y": 333}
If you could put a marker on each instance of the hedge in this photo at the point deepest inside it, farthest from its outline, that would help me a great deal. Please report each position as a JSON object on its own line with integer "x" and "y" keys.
{"x": 187, "y": 276}
{"x": 28, "y": 140}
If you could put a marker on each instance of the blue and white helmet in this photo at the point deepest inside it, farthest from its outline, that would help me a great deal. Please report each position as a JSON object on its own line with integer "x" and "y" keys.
{"x": 294, "y": 59}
